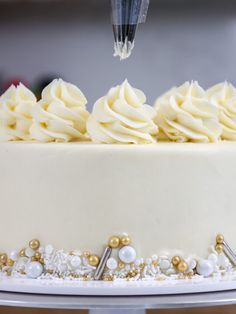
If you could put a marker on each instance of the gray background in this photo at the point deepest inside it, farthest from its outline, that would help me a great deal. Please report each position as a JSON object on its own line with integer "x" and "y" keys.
{"x": 181, "y": 40}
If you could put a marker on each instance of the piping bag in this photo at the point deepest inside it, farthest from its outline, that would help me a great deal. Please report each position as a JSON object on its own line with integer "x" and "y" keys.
{"x": 125, "y": 16}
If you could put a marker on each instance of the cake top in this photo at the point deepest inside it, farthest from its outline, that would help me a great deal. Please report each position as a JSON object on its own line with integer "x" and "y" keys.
{"x": 187, "y": 113}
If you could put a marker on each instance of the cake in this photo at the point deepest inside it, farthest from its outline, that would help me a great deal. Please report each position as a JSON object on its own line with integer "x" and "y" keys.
{"x": 79, "y": 201}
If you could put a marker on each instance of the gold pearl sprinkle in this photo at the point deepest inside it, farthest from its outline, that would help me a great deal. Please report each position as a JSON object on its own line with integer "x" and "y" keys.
{"x": 34, "y": 259}
{"x": 94, "y": 260}
{"x": 121, "y": 265}
{"x": 219, "y": 248}
{"x": 182, "y": 267}
{"x": 22, "y": 253}
{"x": 108, "y": 278}
{"x": 34, "y": 244}
{"x": 41, "y": 261}
{"x": 190, "y": 274}
{"x": 219, "y": 239}
{"x": 125, "y": 240}
{"x": 176, "y": 260}
{"x": 10, "y": 262}
{"x": 37, "y": 255}
{"x": 114, "y": 242}
{"x": 3, "y": 258}
{"x": 86, "y": 254}
{"x": 132, "y": 274}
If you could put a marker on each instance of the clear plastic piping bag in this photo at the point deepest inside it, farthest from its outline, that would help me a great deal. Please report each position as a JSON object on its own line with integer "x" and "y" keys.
{"x": 126, "y": 15}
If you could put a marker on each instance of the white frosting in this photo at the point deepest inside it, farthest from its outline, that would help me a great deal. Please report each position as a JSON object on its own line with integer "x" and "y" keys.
{"x": 122, "y": 117}
{"x": 61, "y": 114}
{"x": 15, "y": 113}
{"x": 185, "y": 114}
{"x": 167, "y": 196}
{"x": 224, "y": 96}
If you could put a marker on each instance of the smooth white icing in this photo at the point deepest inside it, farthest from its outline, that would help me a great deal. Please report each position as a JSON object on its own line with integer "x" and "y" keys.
{"x": 61, "y": 114}
{"x": 122, "y": 117}
{"x": 16, "y": 113}
{"x": 223, "y": 95}
{"x": 76, "y": 195}
{"x": 185, "y": 114}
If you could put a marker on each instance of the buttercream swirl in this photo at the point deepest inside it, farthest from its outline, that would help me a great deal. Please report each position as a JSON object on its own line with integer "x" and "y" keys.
{"x": 16, "y": 113}
{"x": 223, "y": 95}
{"x": 122, "y": 117}
{"x": 61, "y": 114}
{"x": 185, "y": 114}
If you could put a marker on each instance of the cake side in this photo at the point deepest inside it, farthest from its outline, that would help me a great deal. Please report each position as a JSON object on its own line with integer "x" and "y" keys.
{"x": 167, "y": 197}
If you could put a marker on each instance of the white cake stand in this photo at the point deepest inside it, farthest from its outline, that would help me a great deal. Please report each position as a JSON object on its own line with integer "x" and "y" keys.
{"x": 116, "y": 297}
{"x": 116, "y": 288}
{"x": 118, "y": 305}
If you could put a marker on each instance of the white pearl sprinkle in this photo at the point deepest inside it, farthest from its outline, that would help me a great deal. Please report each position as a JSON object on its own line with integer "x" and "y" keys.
{"x": 21, "y": 264}
{"x": 75, "y": 262}
{"x": 191, "y": 264}
{"x": 154, "y": 258}
{"x": 29, "y": 252}
{"x": 112, "y": 263}
{"x": 34, "y": 270}
{"x": 13, "y": 255}
{"x": 127, "y": 254}
{"x": 164, "y": 264}
{"x": 213, "y": 258}
{"x": 204, "y": 268}
{"x": 223, "y": 261}
{"x": 138, "y": 262}
{"x": 49, "y": 249}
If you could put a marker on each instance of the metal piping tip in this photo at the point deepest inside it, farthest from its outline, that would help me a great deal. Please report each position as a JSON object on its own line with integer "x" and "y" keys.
{"x": 123, "y": 49}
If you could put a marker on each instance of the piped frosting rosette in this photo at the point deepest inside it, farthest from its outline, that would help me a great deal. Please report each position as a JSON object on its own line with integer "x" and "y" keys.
{"x": 185, "y": 114}
{"x": 61, "y": 114}
{"x": 15, "y": 113}
{"x": 122, "y": 117}
{"x": 223, "y": 95}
